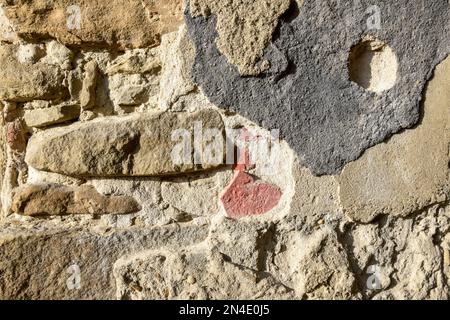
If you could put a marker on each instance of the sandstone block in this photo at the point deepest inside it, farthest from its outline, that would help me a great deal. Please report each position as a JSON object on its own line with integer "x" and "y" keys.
{"x": 136, "y": 145}
{"x": 55, "y": 200}
{"x": 47, "y": 260}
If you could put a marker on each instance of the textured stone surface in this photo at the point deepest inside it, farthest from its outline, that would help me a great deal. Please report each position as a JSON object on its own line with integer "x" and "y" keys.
{"x": 196, "y": 196}
{"x": 116, "y": 23}
{"x": 47, "y": 250}
{"x": 191, "y": 274}
{"x": 307, "y": 94}
{"x": 25, "y": 82}
{"x": 56, "y": 200}
{"x": 99, "y": 206}
{"x": 87, "y": 95}
{"x": 137, "y": 145}
{"x": 53, "y": 115}
{"x": 410, "y": 171}
{"x": 247, "y": 197}
{"x": 245, "y": 29}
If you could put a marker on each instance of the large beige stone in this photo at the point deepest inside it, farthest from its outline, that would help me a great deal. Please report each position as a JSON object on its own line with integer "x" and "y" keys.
{"x": 410, "y": 171}
{"x": 136, "y": 145}
{"x": 245, "y": 29}
{"x": 56, "y": 200}
{"x": 118, "y": 23}
{"x": 57, "y": 259}
{"x": 26, "y": 81}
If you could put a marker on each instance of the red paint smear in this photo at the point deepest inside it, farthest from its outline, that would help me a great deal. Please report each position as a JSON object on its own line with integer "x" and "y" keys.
{"x": 245, "y": 197}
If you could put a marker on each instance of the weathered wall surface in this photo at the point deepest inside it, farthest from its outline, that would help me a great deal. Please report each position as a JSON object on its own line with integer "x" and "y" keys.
{"x": 209, "y": 149}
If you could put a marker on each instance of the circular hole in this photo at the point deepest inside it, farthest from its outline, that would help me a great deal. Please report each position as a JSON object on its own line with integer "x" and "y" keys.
{"x": 373, "y": 65}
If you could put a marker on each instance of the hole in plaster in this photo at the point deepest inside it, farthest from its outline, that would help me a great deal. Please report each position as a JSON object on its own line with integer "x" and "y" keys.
{"x": 373, "y": 65}
{"x": 293, "y": 12}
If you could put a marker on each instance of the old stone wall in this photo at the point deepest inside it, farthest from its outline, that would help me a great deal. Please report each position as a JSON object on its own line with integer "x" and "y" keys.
{"x": 207, "y": 149}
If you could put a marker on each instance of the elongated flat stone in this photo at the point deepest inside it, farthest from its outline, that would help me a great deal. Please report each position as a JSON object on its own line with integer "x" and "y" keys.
{"x": 136, "y": 145}
{"x": 22, "y": 81}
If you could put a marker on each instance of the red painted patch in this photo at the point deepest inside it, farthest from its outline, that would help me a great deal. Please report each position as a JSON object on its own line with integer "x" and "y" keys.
{"x": 245, "y": 197}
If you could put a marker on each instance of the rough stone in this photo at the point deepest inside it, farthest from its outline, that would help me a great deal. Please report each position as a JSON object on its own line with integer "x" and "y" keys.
{"x": 307, "y": 94}
{"x": 245, "y": 29}
{"x": 410, "y": 171}
{"x": 7, "y": 32}
{"x": 401, "y": 256}
{"x": 87, "y": 94}
{"x": 117, "y": 23}
{"x": 136, "y": 61}
{"x": 30, "y": 53}
{"x": 177, "y": 60}
{"x": 318, "y": 266}
{"x": 58, "y": 55}
{"x": 243, "y": 243}
{"x": 53, "y": 115}
{"x": 57, "y": 200}
{"x": 191, "y": 274}
{"x": 136, "y": 145}
{"x": 133, "y": 90}
{"x": 24, "y": 82}
{"x": 49, "y": 251}
{"x": 196, "y": 195}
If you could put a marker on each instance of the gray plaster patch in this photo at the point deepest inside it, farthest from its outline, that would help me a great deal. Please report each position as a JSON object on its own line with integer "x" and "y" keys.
{"x": 307, "y": 94}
